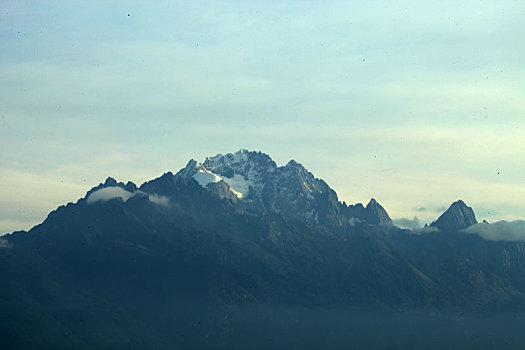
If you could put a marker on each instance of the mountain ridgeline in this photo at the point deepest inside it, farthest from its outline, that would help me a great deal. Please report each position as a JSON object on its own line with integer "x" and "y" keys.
{"x": 255, "y": 182}
{"x": 458, "y": 217}
{"x": 237, "y": 252}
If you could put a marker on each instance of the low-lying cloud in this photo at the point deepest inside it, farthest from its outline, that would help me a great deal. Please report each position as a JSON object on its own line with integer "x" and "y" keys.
{"x": 107, "y": 193}
{"x": 161, "y": 200}
{"x": 354, "y": 221}
{"x": 4, "y": 244}
{"x": 513, "y": 231}
{"x": 411, "y": 224}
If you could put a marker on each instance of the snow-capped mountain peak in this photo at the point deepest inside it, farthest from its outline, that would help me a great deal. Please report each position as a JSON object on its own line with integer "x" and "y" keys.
{"x": 238, "y": 185}
{"x": 290, "y": 190}
{"x": 244, "y": 171}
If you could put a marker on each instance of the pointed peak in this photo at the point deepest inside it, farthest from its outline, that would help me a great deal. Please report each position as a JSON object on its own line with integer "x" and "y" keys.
{"x": 376, "y": 214}
{"x": 236, "y": 159}
{"x": 192, "y": 163}
{"x": 110, "y": 182}
{"x": 189, "y": 170}
{"x": 211, "y": 158}
{"x": 292, "y": 164}
{"x": 166, "y": 176}
{"x": 372, "y": 202}
{"x": 130, "y": 186}
{"x": 458, "y": 203}
{"x": 457, "y": 217}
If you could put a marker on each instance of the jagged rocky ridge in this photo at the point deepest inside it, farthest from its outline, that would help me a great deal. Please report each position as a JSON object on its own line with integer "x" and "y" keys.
{"x": 458, "y": 216}
{"x": 255, "y": 180}
{"x": 253, "y": 183}
{"x": 232, "y": 232}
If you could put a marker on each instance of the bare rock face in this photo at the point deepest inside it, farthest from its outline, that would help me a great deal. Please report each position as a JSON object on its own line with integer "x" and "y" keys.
{"x": 376, "y": 214}
{"x": 290, "y": 191}
{"x": 373, "y": 213}
{"x": 458, "y": 216}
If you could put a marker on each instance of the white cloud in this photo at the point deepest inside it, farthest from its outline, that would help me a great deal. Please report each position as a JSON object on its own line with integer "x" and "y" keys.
{"x": 513, "y": 231}
{"x": 204, "y": 177}
{"x": 354, "y": 221}
{"x": 425, "y": 229}
{"x": 107, "y": 193}
{"x": 4, "y": 244}
{"x": 411, "y": 224}
{"x": 160, "y": 200}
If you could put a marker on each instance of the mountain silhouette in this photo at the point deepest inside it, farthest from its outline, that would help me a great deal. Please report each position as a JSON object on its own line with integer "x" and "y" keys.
{"x": 236, "y": 248}
{"x": 458, "y": 216}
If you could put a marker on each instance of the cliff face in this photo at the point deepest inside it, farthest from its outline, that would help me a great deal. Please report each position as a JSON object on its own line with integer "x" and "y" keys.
{"x": 457, "y": 217}
{"x": 124, "y": 267}
{"x": 376, "y": 214}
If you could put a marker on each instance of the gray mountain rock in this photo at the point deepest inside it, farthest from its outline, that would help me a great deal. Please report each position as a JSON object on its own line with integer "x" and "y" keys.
{"x": 291, "y": 190}
{"x": 182, "y": 261}
{"x": 376, "y": 214}
{"x": 457, "y": 217}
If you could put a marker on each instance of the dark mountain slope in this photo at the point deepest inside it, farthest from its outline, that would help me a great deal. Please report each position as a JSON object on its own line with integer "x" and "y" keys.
{"x": 190, "y": 259}
{"x": 457, "y": 217}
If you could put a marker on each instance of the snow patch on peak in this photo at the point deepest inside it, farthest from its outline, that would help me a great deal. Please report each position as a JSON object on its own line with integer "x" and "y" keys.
{"x": 239, "y": 156}
{"x": 238, "y": 194}
{"x": 189, "y": 170}
{"x": 204, "y": 177}
{"x": 243, "y": 170}
{"x": 226, "y": 160}
{"x": 238, "y": 184}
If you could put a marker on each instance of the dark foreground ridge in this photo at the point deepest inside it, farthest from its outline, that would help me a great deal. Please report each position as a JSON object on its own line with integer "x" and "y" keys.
{"x": 237, "y": 252}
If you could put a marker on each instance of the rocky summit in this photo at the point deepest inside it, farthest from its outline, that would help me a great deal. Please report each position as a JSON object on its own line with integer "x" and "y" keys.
{"x": 458, "y": 216}
{"x": 290, "y": 191}
{"x": 238, "y": 252}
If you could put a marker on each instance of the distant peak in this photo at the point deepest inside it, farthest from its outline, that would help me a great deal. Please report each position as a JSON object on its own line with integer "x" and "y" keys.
{"x": 376, "y": 214}
{"x": 458, "y": 216}
{"x": 459, "y": 203}
{"x": 191, "y": 163}
{"x": 189, "y": 170}
{"x": 222, "y": 160}
{"x": 298, "y": 167}
{"x": 372, "y": 202}
{"x": 110, "y": 182}
{"x": 292, "y": 163}
{"x": 130, "y": 186}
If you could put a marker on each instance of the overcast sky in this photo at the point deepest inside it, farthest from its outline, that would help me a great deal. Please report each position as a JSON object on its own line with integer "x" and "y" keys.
{"x": 415, "y": 103}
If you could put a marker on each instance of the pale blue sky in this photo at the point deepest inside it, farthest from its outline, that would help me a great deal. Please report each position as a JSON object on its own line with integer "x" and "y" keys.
{"x": 415, "y": 103}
